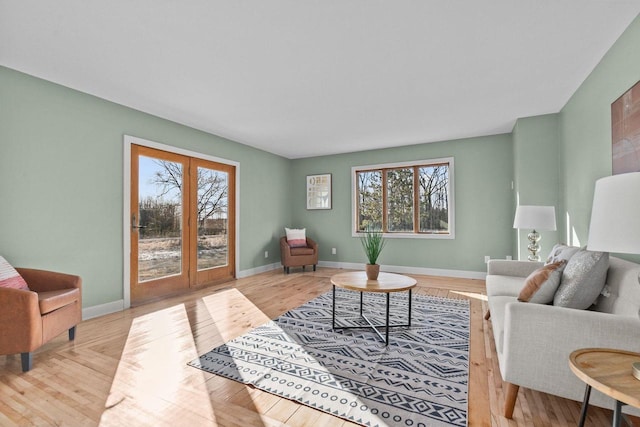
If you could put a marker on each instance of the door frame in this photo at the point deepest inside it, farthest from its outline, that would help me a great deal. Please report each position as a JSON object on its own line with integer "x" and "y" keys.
{"x": 126, "y": 214}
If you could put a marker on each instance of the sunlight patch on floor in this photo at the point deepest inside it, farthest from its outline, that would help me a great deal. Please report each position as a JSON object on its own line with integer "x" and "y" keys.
{"x": 473, "y": 295}
{"x": 152, "y": 380}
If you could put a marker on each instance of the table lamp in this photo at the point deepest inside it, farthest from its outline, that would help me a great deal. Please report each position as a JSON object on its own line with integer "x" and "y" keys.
{"x": 615, "y": 219}
{"x": 535, "y": 218}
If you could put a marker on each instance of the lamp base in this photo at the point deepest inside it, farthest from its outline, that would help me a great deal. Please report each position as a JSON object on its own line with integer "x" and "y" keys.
{"x": 534, "y": 247}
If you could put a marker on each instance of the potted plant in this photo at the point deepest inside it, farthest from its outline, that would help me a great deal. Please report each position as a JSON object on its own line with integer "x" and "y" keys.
{"x": 372, "y": 242}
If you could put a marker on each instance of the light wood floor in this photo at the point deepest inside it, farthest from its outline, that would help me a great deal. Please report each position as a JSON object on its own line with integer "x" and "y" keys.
{"x": 129, "y": 368}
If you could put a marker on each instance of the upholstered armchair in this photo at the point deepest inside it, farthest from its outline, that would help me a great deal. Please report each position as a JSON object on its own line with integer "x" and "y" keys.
{"x": 298, "y": 256}
{"x": 30, "y": 318}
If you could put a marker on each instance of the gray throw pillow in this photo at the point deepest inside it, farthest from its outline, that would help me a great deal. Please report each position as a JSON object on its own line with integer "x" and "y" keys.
{"x": 561, "y": 252}
{"x": 582, "y": 279}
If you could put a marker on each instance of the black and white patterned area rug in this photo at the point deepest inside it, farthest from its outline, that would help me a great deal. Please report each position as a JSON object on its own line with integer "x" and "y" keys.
{"x": 419, "y": 379}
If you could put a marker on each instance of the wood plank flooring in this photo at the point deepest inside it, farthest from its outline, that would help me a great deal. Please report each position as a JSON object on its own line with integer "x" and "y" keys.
{"x": 129, "y": 368}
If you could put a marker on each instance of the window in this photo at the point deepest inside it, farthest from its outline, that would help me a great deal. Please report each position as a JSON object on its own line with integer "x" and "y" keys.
{"x": 412, "y": 199}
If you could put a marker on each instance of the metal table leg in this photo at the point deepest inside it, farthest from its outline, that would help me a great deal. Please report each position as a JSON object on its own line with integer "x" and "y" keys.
{"x": 386, "y": 342}
{"x": 333, "y": 311}
{"x": 387, "y": 325}
{"x": 617, "y": 414}
{"x": 585, "y": 406}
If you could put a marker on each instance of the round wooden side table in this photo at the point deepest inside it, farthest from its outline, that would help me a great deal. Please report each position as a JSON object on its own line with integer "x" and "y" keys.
{"x": 609, "y": 371}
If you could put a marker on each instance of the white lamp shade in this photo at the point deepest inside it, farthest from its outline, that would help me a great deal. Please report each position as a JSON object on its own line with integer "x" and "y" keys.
{"x": 535, "y": 217}
{"x": 615, "y": 216}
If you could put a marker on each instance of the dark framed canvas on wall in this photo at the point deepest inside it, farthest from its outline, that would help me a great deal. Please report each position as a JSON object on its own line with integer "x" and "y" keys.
{"x": 625, "y": 132}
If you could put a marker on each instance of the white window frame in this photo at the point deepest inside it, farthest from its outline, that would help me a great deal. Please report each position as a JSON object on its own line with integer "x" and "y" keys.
{"x": 354, "y": 203}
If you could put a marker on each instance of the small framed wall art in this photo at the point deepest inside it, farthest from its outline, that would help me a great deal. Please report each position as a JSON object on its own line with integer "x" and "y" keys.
{"x": 319, "y": 191}
{"x": 625, "y": 132}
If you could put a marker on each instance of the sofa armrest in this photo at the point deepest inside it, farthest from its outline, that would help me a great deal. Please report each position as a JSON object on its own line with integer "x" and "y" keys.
{"x": 538, "y": 340}
{"x": 20, "y": 321}
{"x": 507, "y": 267}
{"x": 43, "y": 281}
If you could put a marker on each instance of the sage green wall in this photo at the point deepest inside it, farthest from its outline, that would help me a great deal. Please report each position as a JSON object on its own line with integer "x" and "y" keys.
{"x": 483, "y": 205}
{"x": 61, "y": 182}
{"x": 585, "y": 124}
{"x": 536, "y": 143}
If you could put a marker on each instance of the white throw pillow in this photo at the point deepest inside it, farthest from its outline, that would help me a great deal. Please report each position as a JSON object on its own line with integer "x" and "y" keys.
{"x": 561, "y": 252}
{"x": 9, "y": 277}
{"x": 296, "y": 237}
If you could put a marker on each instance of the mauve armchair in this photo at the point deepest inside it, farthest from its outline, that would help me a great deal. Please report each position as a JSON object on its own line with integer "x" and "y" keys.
{"x": 30, "y": 318}
{"x": 298, "y": 256}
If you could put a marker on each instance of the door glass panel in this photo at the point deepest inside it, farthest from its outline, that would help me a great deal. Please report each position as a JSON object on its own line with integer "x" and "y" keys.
{"x": 213, "y": 224}
{"x": 160, "y": 209}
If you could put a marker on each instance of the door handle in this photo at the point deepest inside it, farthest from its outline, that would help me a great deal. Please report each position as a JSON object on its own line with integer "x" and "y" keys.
{"x": 134, "y": 225}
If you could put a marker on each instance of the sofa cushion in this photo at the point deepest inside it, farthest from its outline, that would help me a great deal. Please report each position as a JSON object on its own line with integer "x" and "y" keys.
{"x": 9, "y": 277}
{"x": 541, "y": 285}
{"x": 582, "y": 279}
{"x": 561, "y": 251}
{"x": 53, "y": 300}
{"x": 296, "y": 237}
{"x": 503, "y": 285}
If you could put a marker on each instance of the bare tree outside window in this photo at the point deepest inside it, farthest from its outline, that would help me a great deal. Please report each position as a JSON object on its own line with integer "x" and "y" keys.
{"x": 416, "y": 200}
{"x": 162, "y": 217}
{"x": 434, "y": 198}
{"x": 369, "y": 200}
{"x": 400, "y": 196}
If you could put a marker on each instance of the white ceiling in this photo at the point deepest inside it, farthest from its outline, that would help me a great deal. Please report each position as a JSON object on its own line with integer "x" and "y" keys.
{"x": 305, "y": 78}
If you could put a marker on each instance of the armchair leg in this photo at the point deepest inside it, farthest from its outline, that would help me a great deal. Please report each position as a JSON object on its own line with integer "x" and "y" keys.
{"x": 314, "y": 267}
{"x": 72, "y": 333}
{"x": 27, "y": 361}
{"x": 511, "y": 395}
{"x": 303, "y": 268}
{"x": 287, "y": 270}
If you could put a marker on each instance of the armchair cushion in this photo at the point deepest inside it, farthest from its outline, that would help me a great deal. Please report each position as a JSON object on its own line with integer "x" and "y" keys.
{"x": 9, "y": 277}
{"x": 296, "y": 237}
{"x": 302, "y": 251}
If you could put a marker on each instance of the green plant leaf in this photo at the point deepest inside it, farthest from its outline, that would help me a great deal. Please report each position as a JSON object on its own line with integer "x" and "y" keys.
{"x": 372, "y": 242}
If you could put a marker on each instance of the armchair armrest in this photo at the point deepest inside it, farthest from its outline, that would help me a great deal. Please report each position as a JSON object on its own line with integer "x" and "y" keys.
{"x": 20, "y": 321}
{"x": 312, "y": 244}
{"x": 43, "y": 281}
{"x": 507, "y": 267}
{"x": 284, "y": 247}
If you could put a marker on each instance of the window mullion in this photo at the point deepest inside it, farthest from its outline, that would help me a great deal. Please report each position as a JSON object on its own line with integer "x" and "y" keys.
{"x": 384, "y": 201}
{"x": 416, "y": 200}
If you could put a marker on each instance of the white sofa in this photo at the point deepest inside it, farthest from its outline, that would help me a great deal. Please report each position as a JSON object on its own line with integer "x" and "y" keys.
{"x": 534, "y": 341}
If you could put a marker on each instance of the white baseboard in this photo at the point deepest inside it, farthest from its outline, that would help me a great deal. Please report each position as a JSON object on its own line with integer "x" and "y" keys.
{"x": 102, "y": 309}
{"x": 258, "y": 270}
{"x": 464, "y": 274}
{"x": 115, "y": 306}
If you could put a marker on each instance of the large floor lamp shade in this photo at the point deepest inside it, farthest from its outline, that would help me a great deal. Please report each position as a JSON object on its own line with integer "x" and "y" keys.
{"x": 615, "y": 220}
{"x": 535, "y": 218}
{"x": 615, "y": 215}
